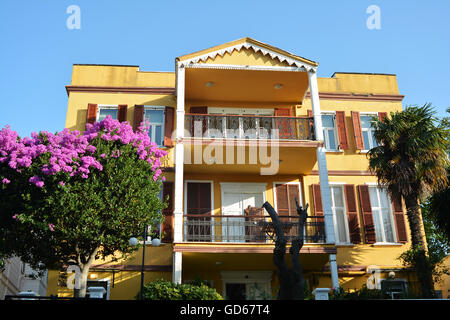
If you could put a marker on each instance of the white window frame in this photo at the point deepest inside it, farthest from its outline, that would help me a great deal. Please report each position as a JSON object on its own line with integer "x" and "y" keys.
{"x": 241, "y": 187}
{"x": 370, "y": 131}
{"x": 333, "y": 207}
{"x": 106, "y": 106}
{"x": 153, "y": 133}
{"x": 300, "y": 191}
{"x": 211, "y": 182}
{"x": 391, "y": 216}
{"x": 326, "y": 138}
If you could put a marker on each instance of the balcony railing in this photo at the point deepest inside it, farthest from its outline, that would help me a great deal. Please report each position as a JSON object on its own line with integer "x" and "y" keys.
{"x": 239, "y": 228}
{"x": 227, "y": 126}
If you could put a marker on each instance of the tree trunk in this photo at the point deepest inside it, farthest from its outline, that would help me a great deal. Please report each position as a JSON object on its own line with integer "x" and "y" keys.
{"x": 81, "y": 292}
{"x": 292, "y": 283}
{"x": 421, "y": 260}
{"x": 84, "y": 271}
{"x": 415, "y": 223}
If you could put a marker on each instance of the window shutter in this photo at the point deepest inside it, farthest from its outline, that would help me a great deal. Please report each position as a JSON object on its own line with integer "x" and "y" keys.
{"x": 293, "y": 193}
{"x": 167, "y": 225}
{"x": 317, "y": 200}
{"x": 342, "y": 130}
{"x": 382, "y": 115}
{"x": 91, "y": 115}
{"x": 138, "y": 116}
{"x": 169, "y": 121}
{"x": 366, "y": 208}
{"x": 399, "y": 218}
{"x": 286, "y": 129}
{"x": 122, "y": 112}
{"x": 357, "y": 131}
{"x": 282, "y": 200}
{"x": 198, "y": 203}
{"x": 352, "y": 214}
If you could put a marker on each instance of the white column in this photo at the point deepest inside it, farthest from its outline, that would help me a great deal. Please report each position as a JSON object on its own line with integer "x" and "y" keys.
{"x": 179, "y": 181}
{"x": 177, "y": 267}
{"x": 323, "y": 174}
{"x": 334, "y": 271}
{"x": 321, "y": 159}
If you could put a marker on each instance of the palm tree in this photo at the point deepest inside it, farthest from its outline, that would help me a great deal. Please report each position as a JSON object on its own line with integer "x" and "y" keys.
{"x": 411, "y": 162}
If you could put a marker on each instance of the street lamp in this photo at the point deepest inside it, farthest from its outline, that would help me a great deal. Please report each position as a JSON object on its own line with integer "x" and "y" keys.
{"x": 134, "y": 242}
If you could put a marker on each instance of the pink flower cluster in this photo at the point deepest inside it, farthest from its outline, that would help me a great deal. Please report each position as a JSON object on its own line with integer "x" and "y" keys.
{"x": 71, "y": 152}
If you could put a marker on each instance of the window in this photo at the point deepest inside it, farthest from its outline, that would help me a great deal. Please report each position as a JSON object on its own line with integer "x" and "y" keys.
{"x": 104, "y": 111}
{"x": 368, "y": 132}
{"x": 247, "y": 285}
{"x": 329, "y": 131}
{"x": 339, "y": 214}
{"x": 382, "y": 214}
{"x": 155, "y": 117}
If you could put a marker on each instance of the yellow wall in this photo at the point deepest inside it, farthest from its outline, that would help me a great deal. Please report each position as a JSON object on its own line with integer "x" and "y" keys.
{"x": 359, "y": 83}
{"x": 119, "y": 76}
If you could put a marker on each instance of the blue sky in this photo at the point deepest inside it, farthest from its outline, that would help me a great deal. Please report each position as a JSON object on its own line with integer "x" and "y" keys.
{"x": 38, "y": 50}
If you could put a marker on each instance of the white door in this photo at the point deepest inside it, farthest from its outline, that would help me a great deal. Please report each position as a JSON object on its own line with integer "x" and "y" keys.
{"x": 233, "y": 205}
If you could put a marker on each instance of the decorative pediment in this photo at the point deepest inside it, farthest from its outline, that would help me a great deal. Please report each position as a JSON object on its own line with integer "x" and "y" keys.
{"x": 282, "y": 56}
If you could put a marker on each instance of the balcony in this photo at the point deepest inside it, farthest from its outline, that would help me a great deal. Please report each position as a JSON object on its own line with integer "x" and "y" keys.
{"x": 247, "y": 229}
{"x": 228, "y": 126}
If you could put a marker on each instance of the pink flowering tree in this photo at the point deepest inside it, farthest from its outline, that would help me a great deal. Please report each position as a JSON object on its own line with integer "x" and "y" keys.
{"x": 70, "y": 198}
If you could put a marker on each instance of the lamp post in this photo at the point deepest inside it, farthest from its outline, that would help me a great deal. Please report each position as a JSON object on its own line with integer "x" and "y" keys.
{"x": 133, "y": 242}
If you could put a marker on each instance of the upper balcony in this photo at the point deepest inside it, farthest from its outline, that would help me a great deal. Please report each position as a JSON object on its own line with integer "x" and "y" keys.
{"x": 249, "y": 127}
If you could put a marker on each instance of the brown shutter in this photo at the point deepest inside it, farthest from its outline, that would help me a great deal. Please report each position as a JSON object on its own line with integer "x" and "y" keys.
{"x": 138, "y": 116}
{"x": 357, "y": 131}
{"x": 293, "y": 193}
{"x": 382, "y": 115}
{"x": 122, "y": 112}
{"x": 91, "y": 115}
{"x": 352, "y": 213}
{"x": 317, "y": 200}
{"x": 286, "y": 128}
{"x": 198, "y": 203}
{"x": 366, "y": 208}
{"x": 342, "y": 130}
{"x": 282, "y": 199}
{"x": 169, "y": 126}
{"x": 399, "y": 218}
{"x": 167, "y": 225}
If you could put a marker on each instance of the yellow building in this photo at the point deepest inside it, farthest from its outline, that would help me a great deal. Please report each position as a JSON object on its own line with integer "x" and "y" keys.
{"x": 244, "y": 123}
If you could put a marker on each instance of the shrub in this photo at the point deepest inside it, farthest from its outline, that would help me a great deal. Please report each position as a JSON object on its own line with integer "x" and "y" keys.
{"x": 167, "y": 290}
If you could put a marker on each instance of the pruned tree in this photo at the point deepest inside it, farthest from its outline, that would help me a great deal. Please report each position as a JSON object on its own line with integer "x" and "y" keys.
{"x": 292, "y": 282}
